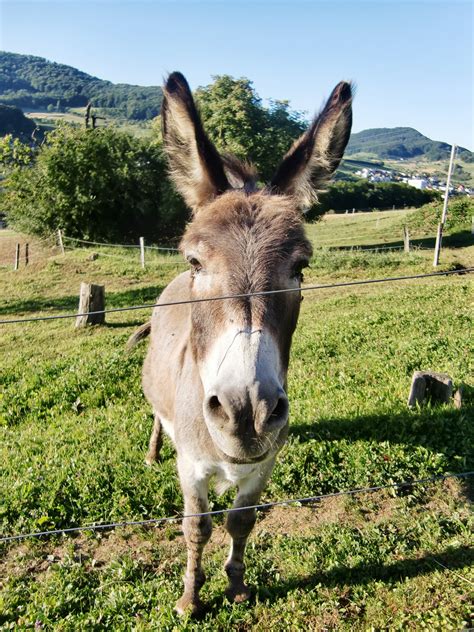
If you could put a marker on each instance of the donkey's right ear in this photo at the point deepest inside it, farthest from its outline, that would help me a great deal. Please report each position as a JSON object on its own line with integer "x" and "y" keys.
{"x": 196, "y": 167}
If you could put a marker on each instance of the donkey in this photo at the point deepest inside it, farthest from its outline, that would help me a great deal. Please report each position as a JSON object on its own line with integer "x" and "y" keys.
{"x": 215, "y": 372}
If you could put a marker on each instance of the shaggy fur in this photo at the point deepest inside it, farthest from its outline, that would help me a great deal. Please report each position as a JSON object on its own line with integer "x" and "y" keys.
{"x": 215, "y": 372}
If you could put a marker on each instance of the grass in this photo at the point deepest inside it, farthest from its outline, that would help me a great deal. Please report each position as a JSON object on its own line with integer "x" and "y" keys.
{"x": 74, "y": 428}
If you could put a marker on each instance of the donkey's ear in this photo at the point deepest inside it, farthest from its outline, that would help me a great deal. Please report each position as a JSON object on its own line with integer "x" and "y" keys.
{"x": 195, "y": 165}
{"x": 315, "y": 156}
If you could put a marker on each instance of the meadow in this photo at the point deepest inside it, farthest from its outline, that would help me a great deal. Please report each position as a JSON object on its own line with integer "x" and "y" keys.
{"x": 74, "y": 427}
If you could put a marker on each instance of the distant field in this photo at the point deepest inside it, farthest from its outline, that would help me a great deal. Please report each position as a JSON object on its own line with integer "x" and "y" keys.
{"x": 74, "y": 427}
{"x": 76, "y": 116}
{"x": 372, "y": 229}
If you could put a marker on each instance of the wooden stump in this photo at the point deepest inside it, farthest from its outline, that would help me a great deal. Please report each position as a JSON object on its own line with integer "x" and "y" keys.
{"x": 430, "y": 386}
{"x": 91, "y": 299}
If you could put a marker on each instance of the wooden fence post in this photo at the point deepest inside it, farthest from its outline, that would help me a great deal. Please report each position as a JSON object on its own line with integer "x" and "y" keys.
{"x": 17, "y": 257}
{"x": 27, "y": 254}
{"x": 428, "y": 385}
{"x": 472, "y": 226}
{"x": 406, "y": 239}
{"x": 60, "y": 240}
{"x": 439, "y": 236}
{"x": 142, "y": 251}
{"x": 91, "y": 299}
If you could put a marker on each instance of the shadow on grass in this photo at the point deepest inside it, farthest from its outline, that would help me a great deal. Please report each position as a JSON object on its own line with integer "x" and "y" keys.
{"x": 443, "y": 429}
{"x": 363, "y": 574}
{"x": 139, "y": 296}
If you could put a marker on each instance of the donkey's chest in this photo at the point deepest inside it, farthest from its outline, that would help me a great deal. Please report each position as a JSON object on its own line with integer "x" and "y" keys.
{"x": 230, "y": 474}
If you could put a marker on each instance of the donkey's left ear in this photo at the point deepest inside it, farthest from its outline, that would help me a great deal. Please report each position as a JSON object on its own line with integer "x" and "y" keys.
{"x": 317, "y": 153}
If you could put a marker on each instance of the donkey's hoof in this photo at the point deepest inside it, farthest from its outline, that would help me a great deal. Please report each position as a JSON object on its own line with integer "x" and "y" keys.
{"x": 151, "y": 459}
{"x": 239, "y": 593}
{"x": 187, "y": 605}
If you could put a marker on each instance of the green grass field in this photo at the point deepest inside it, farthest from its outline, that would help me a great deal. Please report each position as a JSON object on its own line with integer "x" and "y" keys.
{"x": 74, "y": 427}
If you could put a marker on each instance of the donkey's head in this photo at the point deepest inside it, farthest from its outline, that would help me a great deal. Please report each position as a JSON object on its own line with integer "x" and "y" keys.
{"x": 243, "y": 240}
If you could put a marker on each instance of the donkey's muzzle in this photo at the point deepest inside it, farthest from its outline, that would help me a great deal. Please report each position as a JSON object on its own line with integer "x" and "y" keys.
{"x": 248, "y": 413}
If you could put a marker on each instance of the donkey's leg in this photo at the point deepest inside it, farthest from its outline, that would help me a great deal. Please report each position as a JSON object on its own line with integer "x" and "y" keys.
{"x": 239, "y": 524}
{"x": 156, "y": 441}
{"x": 197, "y": 531}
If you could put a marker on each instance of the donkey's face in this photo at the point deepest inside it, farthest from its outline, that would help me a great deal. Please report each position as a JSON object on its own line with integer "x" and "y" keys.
{"x": 242, "y": 244}
{"x": 244, "y": 241}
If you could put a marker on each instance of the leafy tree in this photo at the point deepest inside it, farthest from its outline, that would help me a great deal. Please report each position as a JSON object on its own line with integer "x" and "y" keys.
{"x": 238, "y": 123}
{"x": 98, "y": 184}
{"x": 14, "y": 153}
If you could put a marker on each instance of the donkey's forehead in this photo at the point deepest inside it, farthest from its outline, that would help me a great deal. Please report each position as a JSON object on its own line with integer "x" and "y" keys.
{"x": 269, "y": 222}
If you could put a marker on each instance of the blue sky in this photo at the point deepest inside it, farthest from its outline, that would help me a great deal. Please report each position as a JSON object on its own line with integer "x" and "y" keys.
{"x": 412, "y": 61}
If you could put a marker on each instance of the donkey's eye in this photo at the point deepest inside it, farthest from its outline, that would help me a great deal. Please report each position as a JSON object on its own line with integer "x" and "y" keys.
{"x": 195, "y": 264}
{"x": 298, "y": 269}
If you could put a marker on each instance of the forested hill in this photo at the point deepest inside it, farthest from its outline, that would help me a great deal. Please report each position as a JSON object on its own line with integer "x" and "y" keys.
{"x": 38, "y": 84}
{"x": 401, "y": 142}
{"x": 13, "y": 121}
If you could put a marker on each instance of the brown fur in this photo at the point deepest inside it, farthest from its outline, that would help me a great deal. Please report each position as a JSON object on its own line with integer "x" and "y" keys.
{"x": 215, "y": 372}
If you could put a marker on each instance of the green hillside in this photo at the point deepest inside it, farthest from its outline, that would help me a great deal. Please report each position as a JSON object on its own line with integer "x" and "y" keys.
{"x": 35, "y": 83}
{"x": 402, "y": 142}
{"x": 13, "y": 121}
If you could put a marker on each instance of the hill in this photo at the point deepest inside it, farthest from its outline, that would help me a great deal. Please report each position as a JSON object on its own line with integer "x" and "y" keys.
{"x": 13, "y": 121}
{"x": 402, "y": 142}
{"x": 35, "y": 83}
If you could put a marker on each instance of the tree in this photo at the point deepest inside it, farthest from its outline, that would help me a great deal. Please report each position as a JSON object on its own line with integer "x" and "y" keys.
{"x": 97, "y": 184}
{"x": 14, "y": 153}
{"x": 237, "y": 122}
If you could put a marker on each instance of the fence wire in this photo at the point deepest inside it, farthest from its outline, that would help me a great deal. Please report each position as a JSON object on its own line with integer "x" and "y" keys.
{"x": 108, "y": 245}
{"x": 307, "y": 288}
{"x": 218, "y": 512}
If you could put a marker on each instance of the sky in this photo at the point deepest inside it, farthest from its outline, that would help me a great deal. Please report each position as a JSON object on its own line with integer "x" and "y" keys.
{"x": 412, "y": 62}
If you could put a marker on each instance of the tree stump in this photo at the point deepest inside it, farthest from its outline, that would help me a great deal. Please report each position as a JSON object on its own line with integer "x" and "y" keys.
{"x": 91, "y": 299}
{"x": 428, "y": 386}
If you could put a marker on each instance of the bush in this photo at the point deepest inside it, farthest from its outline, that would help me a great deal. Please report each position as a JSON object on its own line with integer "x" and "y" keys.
{"x": 364, "y": 195}
{"x": 97, "y": 184}
{"x": 459, "y": 216}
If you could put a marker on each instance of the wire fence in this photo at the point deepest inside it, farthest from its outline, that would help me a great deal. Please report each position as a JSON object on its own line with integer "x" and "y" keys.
{"x": 109, "y": 245}
{"x": 307, "y": 288}
{"x": 258, "y": 507}
{"x": 343, "y": 246}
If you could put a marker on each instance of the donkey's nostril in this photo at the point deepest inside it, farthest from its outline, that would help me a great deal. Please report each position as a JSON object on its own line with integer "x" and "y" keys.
{"x": 214, "y": 403}
{"x": 280, "y": 411}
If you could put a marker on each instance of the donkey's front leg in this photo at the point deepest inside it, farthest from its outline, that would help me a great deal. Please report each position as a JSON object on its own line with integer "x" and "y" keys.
{"x": 239, "y": 524}
{"x": 197, "y": 531}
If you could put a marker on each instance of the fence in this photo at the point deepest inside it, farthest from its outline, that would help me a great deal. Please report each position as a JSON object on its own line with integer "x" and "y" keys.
{"x": 217, "y": 512}
{"x": 306, "y": 288}
{"x": 34, "y": 251}
{"x": 286, "y": 502}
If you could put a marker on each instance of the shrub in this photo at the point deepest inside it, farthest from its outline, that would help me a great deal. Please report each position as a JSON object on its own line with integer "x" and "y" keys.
{"x": 99, "y": 184}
